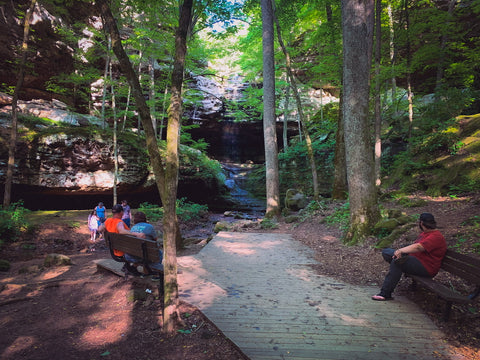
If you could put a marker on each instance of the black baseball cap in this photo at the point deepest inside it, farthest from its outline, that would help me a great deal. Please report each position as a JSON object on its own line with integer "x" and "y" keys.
{"x": 428, "y": 219}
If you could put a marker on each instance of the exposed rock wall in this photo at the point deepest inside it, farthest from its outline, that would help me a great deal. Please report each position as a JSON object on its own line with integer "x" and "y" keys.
{"x": 75, "y": 169}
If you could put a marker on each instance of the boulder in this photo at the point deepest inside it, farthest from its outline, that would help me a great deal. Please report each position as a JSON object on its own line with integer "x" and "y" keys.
{"x": 57, "y": 260}
{"x": 295, "y": 200}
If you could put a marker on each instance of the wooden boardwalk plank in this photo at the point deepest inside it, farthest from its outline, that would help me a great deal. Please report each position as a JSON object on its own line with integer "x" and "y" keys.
{"x": 261, "y": 291}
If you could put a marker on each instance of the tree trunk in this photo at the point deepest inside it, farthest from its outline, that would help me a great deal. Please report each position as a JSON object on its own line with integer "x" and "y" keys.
{"x": 293, "y": 84}
{"x": 170, "y": 313}
{"x": 151, "y": 69}
{"x": 340, "y": 186}
{"x": 13, "y": 134}
{"x": 357, "y": 25}
{"x": 105, "y": 76}
{"x": 409, "y": 76}
{"x": 126, "y": 107}
{"x": 392, "y": 54}
{"x": 269, "y": 128}
{"x": 171, "y": 286}
{"x": 115, "y": 141}
{"x": 285, "y": 118}
{"x": 378, "y": 114}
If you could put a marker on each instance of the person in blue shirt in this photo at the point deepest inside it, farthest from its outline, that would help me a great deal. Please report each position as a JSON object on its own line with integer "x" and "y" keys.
{"x": 100, "y": 211}
{"x": 142, "y": 226}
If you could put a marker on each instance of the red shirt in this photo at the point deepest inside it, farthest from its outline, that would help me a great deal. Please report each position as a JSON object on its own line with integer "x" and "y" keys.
{"x": 435, "y": 248}
{"x": 111, "y": 226}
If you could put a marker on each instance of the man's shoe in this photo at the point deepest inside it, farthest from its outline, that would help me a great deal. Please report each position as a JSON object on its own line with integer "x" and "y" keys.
{"x": 379, "y": 297}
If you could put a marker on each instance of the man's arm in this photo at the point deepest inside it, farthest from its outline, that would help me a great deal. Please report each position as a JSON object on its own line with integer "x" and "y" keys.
{"x": 122, "y": 230}
{"x": 410, "y": 249}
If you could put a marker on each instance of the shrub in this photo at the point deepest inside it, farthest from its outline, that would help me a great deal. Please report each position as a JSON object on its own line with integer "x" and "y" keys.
{"x": 13, "y": 222}
{"x": 340, "y": 216}
{"x": 186, "y": 211}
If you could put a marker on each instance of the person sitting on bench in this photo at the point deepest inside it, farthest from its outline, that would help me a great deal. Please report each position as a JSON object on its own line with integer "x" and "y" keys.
{"x": 115, "y": 224}
{"x": 422, "y": 258}
{"x": 142, "y": 226}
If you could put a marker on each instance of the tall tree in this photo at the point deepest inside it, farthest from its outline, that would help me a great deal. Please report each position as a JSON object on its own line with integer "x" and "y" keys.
{"x": 13, "y": 135}
{"x": 340, "y": 185}
{"x": 357, "y": 25}
{"x": 378, "y": 114}
{"x": 170, "y": 311}
{"x": 167, "y": 178}
{"x": 269, "y": 126}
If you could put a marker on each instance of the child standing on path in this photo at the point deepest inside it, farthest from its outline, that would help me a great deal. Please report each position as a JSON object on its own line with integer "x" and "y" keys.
{"x": 93, "y": 225}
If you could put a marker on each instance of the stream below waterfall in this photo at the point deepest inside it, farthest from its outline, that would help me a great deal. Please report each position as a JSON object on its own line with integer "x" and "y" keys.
{"x": 236, "y": 175}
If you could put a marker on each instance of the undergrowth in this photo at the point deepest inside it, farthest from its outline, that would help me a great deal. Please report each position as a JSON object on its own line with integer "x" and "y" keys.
{"x": 186, "y": 211}
{"x": 13, "y": 222}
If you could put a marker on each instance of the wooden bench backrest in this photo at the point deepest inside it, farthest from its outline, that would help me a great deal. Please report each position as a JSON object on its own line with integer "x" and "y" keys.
{"x": 463, "y": 266}
{"x": 134, "y": 246}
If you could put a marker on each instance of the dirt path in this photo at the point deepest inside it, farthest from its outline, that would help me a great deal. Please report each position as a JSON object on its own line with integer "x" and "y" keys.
{"x": 93, "y": 314}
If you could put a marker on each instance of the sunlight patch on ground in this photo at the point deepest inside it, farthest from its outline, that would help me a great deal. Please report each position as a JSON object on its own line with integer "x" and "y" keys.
{"x": 52, "y": 273}
{"x": 329, "y": 238}
{"x": 303, "y": 274}
{"x": 12, "y": 289}
{"x": 21, "y": 343}
{"x": 237, "y": 248}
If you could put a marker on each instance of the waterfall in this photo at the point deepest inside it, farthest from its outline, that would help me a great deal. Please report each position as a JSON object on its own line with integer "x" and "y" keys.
{"x": 236, "y": 175}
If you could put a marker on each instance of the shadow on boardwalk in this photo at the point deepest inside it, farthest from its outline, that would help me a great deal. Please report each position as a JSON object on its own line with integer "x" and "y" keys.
{"x": 260, "y": 290}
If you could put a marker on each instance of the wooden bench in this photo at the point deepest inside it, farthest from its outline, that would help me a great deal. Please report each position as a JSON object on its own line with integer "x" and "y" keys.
{"x": 144, "y": 249}
{"x": 463, "y": 266}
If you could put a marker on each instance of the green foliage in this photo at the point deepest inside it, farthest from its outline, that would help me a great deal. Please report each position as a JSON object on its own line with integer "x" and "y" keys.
{"x": 152, "y": 212}
{"x": 294, "y": 164}
{"x": 194, "y": 163}
{"x": 13, "y": 222}
{"x": 340, "y": 217}
{"x": 186, "y": 211}
{"x": 269, "y": 223}
{"x": 186, "y": 138}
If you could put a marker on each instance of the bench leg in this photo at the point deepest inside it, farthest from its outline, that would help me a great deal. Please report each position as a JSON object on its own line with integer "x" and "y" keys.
{"x": 448, "y": 308}
{"x": 160, "y": 286}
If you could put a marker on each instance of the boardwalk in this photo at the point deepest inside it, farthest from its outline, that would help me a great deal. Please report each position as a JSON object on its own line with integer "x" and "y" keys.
{"x": 259, "y": 289}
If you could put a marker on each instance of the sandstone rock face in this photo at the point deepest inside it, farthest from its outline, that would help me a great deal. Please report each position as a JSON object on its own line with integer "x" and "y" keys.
{"x": 75, "y": 170}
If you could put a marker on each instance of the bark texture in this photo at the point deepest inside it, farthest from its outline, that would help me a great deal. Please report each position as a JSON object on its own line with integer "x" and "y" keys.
{"x": 170, "y": 224}
{"x": 269, "y": 128}
{"x": 357, "y": 24}
{"x": 13, "y": 135}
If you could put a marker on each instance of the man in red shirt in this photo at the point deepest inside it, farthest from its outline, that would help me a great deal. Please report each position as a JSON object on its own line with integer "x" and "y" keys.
{"x": 422, "y": 258}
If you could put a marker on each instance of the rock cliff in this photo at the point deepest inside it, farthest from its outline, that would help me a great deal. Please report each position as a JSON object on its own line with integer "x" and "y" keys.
{"x": 59, "y": 166}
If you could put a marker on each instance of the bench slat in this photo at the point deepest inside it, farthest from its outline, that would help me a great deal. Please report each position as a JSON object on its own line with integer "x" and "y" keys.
{"x": 441, "y": 290}
{"x": 463, "y": 266}
{"x": 465, "y": 258}
{"x": 134, "y": 246}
